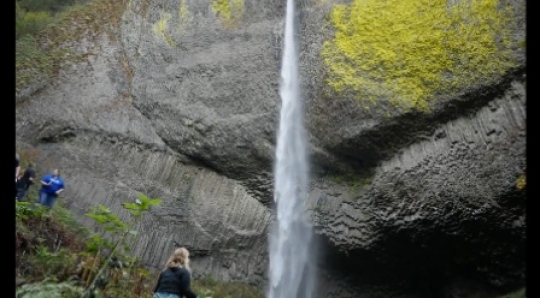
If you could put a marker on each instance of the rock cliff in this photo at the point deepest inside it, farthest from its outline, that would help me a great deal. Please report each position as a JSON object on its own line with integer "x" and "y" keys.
{"x": 417, "y": 135}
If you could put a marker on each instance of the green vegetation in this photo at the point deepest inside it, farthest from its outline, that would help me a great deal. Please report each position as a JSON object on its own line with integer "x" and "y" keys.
{"x": 209, "y": 287}
{"x": 517, "y": 294}
{"x": 407, "y": 52}
{"x": 184, "y": 15}
{"x": 229, "y": 11}
{"x": 55, "y": 253}
{"x": 27, "y": 155}
{"x": 57, "y": 257}
{"x": 46, "y": 33}
{"x": 160, "y": 29}
{"x": 30, "y": 22}
{"x": 355, "y": 181}
{"x": 521, "y": 182}
{"x": 122, "y": 236}
{"x": 33, "y": 16}
{"x": 49, "y": 290}
{"x": 52, "y": 6}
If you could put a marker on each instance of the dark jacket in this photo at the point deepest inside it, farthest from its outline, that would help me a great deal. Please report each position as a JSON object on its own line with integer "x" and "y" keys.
{"x": 24, "y": 182}
{"x": 175, "y": 281}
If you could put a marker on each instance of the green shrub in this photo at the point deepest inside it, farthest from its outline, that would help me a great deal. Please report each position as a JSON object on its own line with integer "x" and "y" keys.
{"x": 30, "y": 22}
{"x": 26, "y": 210}
{"x": 31, "y": 61}
{"x": 53, "y": 263}
{"x": 210, "y": 287}
{"x": 123, "y": 234}
{"x": 50, "y": 255}
{"x": 357, "y": 182}
{"x": 39, "y": 57}
{"x": 67, "y": 221}
{"x": 517, "y": 294}
{"x": 49, "y": 290}
{"x": 46, "y": 5}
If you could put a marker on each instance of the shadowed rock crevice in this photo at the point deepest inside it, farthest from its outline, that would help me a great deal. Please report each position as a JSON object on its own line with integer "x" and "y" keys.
{"x": 426, "y": 257}
{"x": 369, "y": 147}
{"x": 470, "y": 226}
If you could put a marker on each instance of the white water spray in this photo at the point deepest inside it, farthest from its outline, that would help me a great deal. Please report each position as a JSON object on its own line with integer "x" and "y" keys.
{"x": 291, "y": 274}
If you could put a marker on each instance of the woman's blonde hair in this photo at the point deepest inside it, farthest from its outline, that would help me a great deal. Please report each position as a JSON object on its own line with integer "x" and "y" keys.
{"x": 179, "y": 258}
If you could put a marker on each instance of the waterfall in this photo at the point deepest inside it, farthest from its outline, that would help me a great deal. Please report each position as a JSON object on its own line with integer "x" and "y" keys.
{"x": 291, "y": 274}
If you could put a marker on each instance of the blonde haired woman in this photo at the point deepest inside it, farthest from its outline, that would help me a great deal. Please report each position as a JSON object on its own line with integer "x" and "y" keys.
{"x": 174, "y": 281}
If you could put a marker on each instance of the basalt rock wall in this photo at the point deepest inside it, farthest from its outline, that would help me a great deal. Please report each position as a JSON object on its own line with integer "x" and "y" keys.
{"x": 415, "y": 181}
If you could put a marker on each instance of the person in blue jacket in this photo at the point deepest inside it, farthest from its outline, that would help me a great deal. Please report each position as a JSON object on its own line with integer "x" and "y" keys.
{"x": 51, "y": 186}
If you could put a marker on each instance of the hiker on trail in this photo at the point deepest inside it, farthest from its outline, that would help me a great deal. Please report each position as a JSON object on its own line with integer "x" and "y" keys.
{"x": 174, "y": 281}
{"x": 17, "y": 166}
{"x": 17, "y": 170}
{"x": 51, "y": 186}
{"x": 24, "y": 181}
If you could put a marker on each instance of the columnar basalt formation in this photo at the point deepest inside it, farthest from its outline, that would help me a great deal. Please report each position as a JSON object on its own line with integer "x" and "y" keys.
{"x": 414, "y": 185}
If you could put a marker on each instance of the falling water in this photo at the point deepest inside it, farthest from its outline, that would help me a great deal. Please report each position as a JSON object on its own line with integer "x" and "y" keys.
{"x": 291, "y": 275}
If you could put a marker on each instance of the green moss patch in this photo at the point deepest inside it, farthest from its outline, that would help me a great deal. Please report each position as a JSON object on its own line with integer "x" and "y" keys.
{"x": 406, "y": 52}
{"x": 160, "y": 29}
{"x": 41, "y": 55}
{"x": 229, "y": 11}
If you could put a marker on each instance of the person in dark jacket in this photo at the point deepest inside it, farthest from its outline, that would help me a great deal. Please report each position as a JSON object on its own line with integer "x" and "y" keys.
{"x": 17, "y": 166}
{"x": 25, "y": 181}
{"x": 174, "y": 281}
{"x": 17, "y": 170}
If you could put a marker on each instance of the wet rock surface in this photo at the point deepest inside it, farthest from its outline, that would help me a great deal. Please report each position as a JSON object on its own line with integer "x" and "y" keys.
{"x": 412, "y": 205}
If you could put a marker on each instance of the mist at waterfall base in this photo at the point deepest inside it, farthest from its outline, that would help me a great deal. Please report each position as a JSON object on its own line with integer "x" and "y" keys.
{"x": 291, "y": 272}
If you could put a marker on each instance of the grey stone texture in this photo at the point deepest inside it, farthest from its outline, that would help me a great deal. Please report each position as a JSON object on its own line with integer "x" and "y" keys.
{"x": 187, "y": 112}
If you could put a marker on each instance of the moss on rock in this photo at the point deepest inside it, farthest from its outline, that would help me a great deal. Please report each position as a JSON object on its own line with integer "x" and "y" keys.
{"x": 229, "y": 11}
{"x": 406, "y": 52}
{"x": 160, "y": 29}
{"x": 40, "y": 57}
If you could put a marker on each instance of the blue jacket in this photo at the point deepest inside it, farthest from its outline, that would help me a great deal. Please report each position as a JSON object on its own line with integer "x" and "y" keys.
{"x": 56, "y": 184}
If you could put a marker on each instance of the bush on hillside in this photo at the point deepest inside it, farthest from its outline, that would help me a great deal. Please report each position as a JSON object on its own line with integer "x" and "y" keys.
{"x": 517, "y": 294}
{"x": 49, "y": 290}
{"x": 57, "y": 257}
{"x": 31, "y": 22}
{"x": 45, "y": 5}
{"x": 32, "y": 16}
